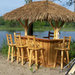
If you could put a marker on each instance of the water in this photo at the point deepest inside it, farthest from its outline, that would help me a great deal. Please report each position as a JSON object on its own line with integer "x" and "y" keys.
{"x": 39, "y": 34}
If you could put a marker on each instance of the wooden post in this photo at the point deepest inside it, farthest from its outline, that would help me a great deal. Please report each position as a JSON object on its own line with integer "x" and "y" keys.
{"x": 56, "y": 33}
{"x": 56, "y": 29}
{"x": 30, "y": 28}
{"x": 26, "y": 22}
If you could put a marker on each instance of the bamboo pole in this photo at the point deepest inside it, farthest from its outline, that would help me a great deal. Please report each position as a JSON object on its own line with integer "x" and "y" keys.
{"x": 26, "y": 22}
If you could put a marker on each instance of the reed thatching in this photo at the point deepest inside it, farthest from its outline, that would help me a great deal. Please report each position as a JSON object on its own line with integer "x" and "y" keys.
{"x": 41, "y": 10}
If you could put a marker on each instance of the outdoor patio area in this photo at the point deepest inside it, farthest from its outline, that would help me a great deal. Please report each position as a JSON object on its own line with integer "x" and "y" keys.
{"x": 51, "y": 54}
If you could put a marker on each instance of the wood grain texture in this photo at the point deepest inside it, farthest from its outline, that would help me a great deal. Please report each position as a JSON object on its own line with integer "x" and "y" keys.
{"x": 49, "y": 51}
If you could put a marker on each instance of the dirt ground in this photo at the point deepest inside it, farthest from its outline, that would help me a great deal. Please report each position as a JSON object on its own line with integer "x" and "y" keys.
{"x": 8, "y": 68}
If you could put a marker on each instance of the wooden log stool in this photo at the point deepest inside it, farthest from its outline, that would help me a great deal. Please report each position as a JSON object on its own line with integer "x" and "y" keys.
{"x": 35, "y": 47}
{"x": 65, "y": 46}
{"x": 20, "y": 48}
{"x": 11, "y": 52}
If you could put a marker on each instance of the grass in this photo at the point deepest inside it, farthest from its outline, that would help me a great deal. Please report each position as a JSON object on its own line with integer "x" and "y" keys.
{"x": 67, "y": 29}
{"x": 35, "y": 28}
{"x": 3, "y": 27}
{"x": 51, "y": 29}
{"x": 42, "y": 29}
{"x": 4, "y": 49}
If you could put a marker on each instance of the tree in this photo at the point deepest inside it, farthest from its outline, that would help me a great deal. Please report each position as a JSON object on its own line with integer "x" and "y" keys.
{"x": 2, "y": 21}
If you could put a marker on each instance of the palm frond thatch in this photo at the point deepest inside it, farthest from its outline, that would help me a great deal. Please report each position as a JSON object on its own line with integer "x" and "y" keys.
{"x": 41, "y": 10}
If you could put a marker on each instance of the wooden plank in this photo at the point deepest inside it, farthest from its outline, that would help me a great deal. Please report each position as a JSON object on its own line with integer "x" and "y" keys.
{"x": 49, "y": 53}
{"x": 53, "y": 51}
{"x": 45, "y": 53}
{"x": 51, "y": 48}
{"x": 46, "y": 40}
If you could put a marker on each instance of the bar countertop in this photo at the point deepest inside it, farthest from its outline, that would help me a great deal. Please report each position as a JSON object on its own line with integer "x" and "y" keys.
{"x": 43, "y": 39}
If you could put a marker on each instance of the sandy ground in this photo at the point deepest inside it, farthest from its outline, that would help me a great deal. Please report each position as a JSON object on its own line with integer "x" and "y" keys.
{"x": 8, "y": 68}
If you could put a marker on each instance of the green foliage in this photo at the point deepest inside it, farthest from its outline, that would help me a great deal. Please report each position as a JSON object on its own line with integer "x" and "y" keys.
{"x": 4, "y": 49}
{"x": 2, "y": 21}
{"x": 8, "y": 24}
{"x": 12, "y": 23}
{"x": 69, "y": 24}
{"x": 26, "y": 1}
{"x": 39, "y": 24}
{"x": 72, "y": 50}
{"x": 31, "y": 69}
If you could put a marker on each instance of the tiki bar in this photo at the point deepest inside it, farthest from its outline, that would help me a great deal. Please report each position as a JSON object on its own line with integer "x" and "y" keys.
{"x": 45, "y": 51}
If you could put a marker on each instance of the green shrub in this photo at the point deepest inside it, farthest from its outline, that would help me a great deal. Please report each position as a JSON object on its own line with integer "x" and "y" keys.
{"x": 72, "y": 50}
{"x": 4, "y": 49}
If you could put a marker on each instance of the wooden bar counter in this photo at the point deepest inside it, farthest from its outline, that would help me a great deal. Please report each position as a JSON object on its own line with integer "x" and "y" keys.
{"x": 49, "y": 53}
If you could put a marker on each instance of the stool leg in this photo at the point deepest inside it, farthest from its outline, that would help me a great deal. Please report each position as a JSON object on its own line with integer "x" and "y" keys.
{"x": 42, "y": 53}
{"x": 30, "y": 58}
{"x": 17, "y": 54}
{"x": 62, "y": 59}
{"x": 55, "y": 58}
{"x": 28, "y": 52}
{"x": 36, "y": 59}
{"x": 8, "y": 53}
{"x": 67, "y": 57}
{"x": 12, "y": 55}
{"x": 22, "y": 55}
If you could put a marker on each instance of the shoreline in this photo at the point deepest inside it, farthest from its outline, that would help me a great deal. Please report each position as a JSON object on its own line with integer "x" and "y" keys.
{"x": 37, "y": 29}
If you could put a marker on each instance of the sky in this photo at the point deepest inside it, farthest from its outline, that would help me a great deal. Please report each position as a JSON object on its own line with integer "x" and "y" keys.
{"x": 9, "y": 5}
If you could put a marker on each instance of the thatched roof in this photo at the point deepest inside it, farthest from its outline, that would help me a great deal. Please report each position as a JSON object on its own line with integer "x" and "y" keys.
{"x": 41, "y": 10}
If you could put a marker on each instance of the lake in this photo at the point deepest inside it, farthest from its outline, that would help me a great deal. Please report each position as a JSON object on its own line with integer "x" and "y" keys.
{"x": 39, "y": 34}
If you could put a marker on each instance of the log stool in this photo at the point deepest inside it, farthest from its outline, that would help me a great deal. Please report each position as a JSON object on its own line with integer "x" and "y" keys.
{"x": 34, "y": 48}
{"x": 11, "y": 52}
{"x": 64, "y": 48}
{"x": 20, "y": 48}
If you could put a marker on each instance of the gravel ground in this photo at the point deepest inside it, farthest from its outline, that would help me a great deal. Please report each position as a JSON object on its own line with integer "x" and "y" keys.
{"x": 8, "y": 68}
